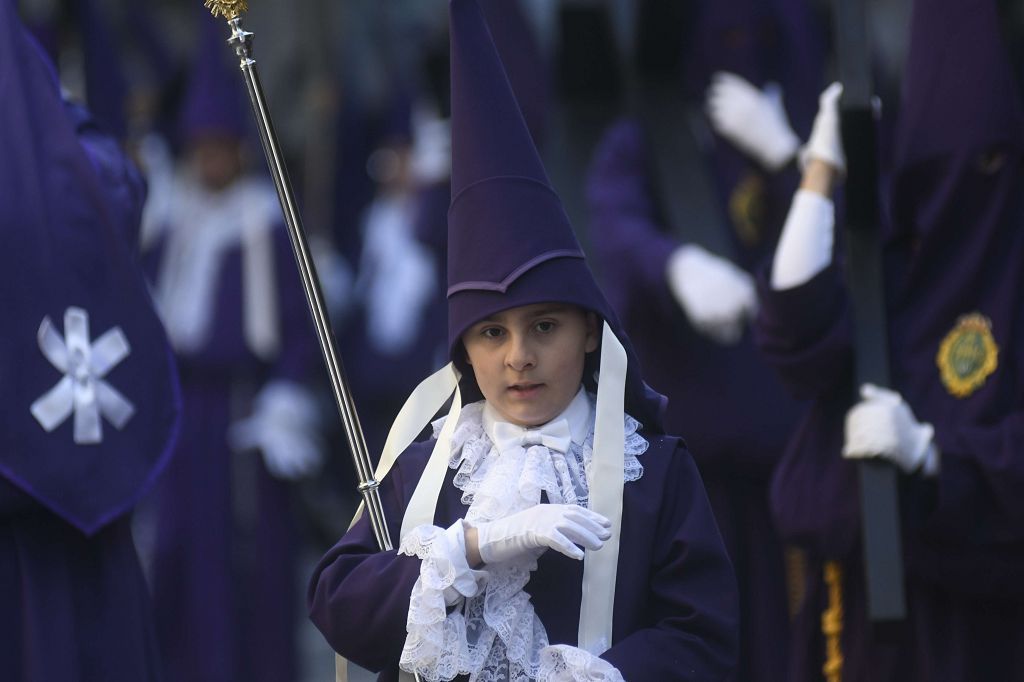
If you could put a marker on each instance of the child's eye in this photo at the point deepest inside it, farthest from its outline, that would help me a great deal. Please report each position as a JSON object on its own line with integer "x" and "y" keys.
{"x": 545, "y": 326}
{"x": 491, "y": 332}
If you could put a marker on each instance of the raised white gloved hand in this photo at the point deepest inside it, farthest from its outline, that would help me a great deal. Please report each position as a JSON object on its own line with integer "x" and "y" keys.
{"x": 753, "y": 120}
{"x": 882, "y": 425}
{"x": 825, "y": 142}
{"x": 717, "y": 296}
{"x": 284, "y": 428}
{"x": 557, "y": 526}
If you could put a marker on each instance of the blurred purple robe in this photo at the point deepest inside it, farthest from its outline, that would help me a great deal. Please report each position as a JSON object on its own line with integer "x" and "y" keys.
{"x": 953, "y": 247}
{"x": 75, "y": 605}
{"x": 223, "y": 573}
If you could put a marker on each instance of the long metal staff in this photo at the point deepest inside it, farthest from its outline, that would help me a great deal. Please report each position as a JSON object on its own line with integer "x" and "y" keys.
{"x": 242, "y": 41}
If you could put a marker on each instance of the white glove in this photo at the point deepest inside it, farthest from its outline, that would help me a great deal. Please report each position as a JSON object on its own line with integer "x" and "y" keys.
{"x": 283, "y": 427}
{"x": 557, "y": 526}
{"x": 717, "y": 296}
{"x": 805, "y": 247}
{"x": 882, "y": 425}
{"x": 825, "y": 142}
{"x": 753, "y": 120}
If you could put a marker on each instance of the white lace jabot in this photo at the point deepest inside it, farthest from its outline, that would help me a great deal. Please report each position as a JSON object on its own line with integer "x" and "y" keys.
{"x": 493, "y": 632}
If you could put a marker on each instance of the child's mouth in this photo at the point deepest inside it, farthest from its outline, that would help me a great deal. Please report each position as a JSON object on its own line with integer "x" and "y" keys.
{"x": 525, "y": 390}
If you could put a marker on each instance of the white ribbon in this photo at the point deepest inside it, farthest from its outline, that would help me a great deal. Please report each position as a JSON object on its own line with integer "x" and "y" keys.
{"x": 420, "y": 407}
{"x": 555, "y": 436}
{"x": 600, "y": 568}
{"x": 82, "y": 391}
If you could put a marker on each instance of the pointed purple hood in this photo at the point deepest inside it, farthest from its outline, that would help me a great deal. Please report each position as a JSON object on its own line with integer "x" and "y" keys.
{"x": 510, "y": 243}
{"x": 214, "y": 102}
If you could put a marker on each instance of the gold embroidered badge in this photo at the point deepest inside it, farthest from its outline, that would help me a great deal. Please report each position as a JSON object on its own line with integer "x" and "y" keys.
{"x": 967, "y": 355}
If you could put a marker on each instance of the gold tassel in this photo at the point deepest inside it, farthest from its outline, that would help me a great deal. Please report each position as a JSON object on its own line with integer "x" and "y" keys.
{"x": 832, "y": 623}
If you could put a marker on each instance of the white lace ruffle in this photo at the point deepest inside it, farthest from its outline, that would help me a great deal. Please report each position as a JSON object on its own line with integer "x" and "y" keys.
{"x": 495, "y": 634}
{"x": 564, "y": 480}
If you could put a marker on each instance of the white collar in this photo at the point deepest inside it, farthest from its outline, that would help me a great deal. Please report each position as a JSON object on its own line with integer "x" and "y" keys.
{"x": 578, "y": 414}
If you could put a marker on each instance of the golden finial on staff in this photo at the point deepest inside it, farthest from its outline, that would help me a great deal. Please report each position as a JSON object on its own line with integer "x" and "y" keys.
{"x": 229, "y": 9}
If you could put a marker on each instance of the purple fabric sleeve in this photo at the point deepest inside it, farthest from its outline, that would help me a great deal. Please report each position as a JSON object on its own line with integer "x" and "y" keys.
{"x": 632, "y": 250}
{"x": 805, "y": 332}
{"x": 971, "y": 517}
{"x": 985, "y": 462}
{"x": 359, "y": 596}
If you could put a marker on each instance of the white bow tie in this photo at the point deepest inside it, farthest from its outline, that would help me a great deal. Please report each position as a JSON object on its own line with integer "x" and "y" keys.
{"x": 554, "y": 436}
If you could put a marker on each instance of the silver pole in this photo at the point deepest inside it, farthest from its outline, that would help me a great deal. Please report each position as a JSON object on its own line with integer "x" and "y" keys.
{"x": 242, "y": 42}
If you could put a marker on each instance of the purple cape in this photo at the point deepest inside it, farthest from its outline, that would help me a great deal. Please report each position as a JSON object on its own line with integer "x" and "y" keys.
{"x": 72, "y": 204}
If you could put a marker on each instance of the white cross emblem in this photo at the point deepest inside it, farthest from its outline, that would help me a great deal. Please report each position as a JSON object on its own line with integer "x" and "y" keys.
{"x": 82, "y": 391}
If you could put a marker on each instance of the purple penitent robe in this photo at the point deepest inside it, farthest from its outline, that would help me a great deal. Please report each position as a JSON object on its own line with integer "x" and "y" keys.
{"x": 953, "y": 257}
{"x": 725, "y": 400}
{"x": 674, "y": 599}
{"x": 223, "y": 564}
{"x": 73, "y": 600}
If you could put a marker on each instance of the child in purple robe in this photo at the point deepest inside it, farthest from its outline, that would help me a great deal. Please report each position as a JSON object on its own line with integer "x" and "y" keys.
{"x": 552, "y": 457}
{"x": 90, "y": 391}
{"x": 953, "y": 420}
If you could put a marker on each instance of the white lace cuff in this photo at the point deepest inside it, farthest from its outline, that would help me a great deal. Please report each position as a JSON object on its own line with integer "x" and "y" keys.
{"x": 436, "y": 641}
{"x": 444, "y": 567}
{"x": 466, "y": 582}
{"x": 564, "y": 663}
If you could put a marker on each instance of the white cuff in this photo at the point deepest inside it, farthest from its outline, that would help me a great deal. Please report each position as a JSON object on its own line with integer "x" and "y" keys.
{"x": 445, "y": 567}
{"x": 805, "y": 247}
{"x": 466, "y": 581}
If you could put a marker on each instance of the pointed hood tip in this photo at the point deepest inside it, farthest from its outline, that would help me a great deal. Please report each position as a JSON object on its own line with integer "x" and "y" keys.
{"x": 960, "y": 94}
{"x": 214, "y": 102}
{"x": 510, "y": 242}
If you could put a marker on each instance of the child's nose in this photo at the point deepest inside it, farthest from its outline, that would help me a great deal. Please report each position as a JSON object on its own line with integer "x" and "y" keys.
{"x": 520, "y": 353}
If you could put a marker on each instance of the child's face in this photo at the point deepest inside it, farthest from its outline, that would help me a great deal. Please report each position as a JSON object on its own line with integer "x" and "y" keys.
{"x": 528, "y": 361}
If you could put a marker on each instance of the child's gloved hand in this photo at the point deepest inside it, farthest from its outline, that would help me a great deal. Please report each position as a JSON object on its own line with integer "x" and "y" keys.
{"x": 882, "y": 425}
{"x": 560, "y": 527}
{"x": 753, "y": 120}
{"x": 717, "y": 296}
{"x": 825, "y": 142}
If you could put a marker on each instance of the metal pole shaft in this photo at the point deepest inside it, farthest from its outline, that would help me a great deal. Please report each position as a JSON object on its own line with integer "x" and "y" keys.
{"x": 241, "y": 40}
